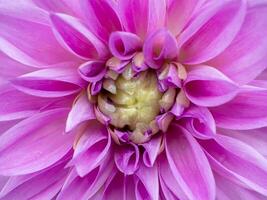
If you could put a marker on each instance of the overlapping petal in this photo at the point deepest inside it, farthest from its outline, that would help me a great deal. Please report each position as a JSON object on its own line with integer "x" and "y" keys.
{"x": 34, "y": 143}
{"x": 212, "y": 30}
{"x": 247, "y": 110}
{"x": 234, "y": 159}
{"x": 189, "y": 164}
{"x": 206, "y": 86}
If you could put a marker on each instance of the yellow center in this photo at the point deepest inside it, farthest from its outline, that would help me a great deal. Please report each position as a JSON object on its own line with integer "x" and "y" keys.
{"x": 136, "y": 101}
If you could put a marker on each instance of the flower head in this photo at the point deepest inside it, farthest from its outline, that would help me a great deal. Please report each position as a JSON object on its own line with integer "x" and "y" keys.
{"x": 133, "y": 99}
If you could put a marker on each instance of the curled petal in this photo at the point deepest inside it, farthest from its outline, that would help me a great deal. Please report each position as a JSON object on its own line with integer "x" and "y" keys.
{"x": 127, "y": 158}
{"x": 92, "y": 148}
{"x": 248, "y": 110}
{"x": 92, "y": 71}
{"x": 150, "y": 17}
{"x": 124, "y": 45}
{"x": 206, "y": 86}
{"x": 51, "y": 82}
{"x": 199, "y": 122}
{"x": 76, "y": 37}
{"x": 211, "y": 31}
{"x": 234, "y": 159}
{"x": 246, "y": 57}
{"x": 159, "y": 47}
{"x": 42, "y": 136}
{"x": 181, "y": 148}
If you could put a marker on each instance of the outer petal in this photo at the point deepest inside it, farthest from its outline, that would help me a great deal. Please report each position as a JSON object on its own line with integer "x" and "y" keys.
{"x": 150, "y": 17}
{"x": 170, "y": 187}
{"x": 34, "y": 143}
{"x": 76, "y": 37}
{"x": 206, "y": 86}
{"x": 102, "y": 17}
{"x": 26, "y": 37}
{"x": 211, "y": 31}
{"x": 248, "y": 110}
{"x": 81, "y": 111}
{"x": 179, "y": 13}
{"x": 53, "y": 82}
{"x": 234, "y": 159}
{"x": 189, "y": 164}
{"x": 227, "y": 190}
{"x": 41, "y": 185}
{"x": 257, "y": 138}
{"x": 18, "y": 105}
{"x": 246, "y": 57}
{"x": 92, "y": 148}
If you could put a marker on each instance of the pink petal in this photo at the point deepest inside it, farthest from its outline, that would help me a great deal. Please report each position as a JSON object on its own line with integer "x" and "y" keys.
{"x": 41, "y": 185}
{"x": 80, "y": 112}
{"x": 211, "y": 31}
{"x": 92, "y": 148}
{"x": 246, "y": 57}
{"x": 120, "y": 187}
{"x": 206, "y": 86}
{"x": 102, "y": 17}
{"x": 51, "y": 82}
{"x": 27, "y": 38}
{"x": 257, "y": 138}
{"x": 124, "y": 45}
{"x": 127, "y": 158}
{"x": 34, "y": 143}
{"x": 248, "y": 110}
{"x": 150, "y": 17}
{"x": 64, "y": 6}
{"x": 76, "y": 37}
{"x": 147, "y": 186}
{"x": 227, "y": 190}
{"x": 179, "y": 13}
{"x": 18, "y": 105}
{"x": 170, "y": 187}
{"x": 160, "y": 47}
{"x": 189, "y": 164}
{"x": 234, "y": 159}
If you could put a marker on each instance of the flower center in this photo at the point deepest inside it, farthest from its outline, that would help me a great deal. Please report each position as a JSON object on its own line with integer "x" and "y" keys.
{"x": 136, "y": 101}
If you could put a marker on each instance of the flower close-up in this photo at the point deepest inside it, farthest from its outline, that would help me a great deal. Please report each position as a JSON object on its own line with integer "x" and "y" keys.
{"x": 133, "y": 100}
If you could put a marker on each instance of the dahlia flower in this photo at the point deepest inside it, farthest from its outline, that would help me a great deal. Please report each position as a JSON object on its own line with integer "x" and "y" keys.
{"x": 133, "y": 99}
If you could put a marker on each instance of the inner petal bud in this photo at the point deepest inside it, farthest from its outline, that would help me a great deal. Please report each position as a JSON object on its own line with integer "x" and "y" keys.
{"x": 136, "y": 101}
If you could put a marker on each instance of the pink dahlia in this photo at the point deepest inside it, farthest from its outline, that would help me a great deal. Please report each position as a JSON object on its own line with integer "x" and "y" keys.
{"x": 133, "y": 99}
